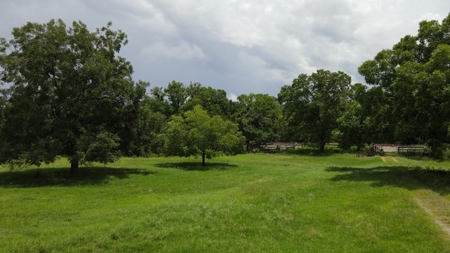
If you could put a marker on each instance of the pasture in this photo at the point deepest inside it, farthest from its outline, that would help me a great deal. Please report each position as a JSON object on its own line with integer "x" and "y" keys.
{"x": 246, "y": 203}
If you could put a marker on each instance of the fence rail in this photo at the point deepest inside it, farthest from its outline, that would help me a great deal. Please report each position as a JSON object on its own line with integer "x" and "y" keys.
{"x": 411, "y": 151}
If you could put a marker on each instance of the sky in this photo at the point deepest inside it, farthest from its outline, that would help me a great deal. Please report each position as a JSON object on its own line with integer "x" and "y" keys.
{"x": 242, "y": 47}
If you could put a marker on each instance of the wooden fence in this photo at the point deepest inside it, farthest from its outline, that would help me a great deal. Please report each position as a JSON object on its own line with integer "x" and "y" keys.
{"x": 277, "y": 146}
{"x": 411, "y": 151}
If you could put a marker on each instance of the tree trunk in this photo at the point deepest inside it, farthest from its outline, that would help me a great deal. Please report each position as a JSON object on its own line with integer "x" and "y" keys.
{"x": 74, "y": 166}
{"x": 203, "y": 157}
{"x": 322, "y": 148}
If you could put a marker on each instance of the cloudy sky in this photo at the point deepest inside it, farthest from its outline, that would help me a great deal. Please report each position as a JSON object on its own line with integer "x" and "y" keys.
{"x": 241, "y": 46}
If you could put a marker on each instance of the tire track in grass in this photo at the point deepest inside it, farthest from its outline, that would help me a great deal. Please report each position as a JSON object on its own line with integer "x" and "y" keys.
{"x": 387, "y": 159}
{"x": 436, "y": 206}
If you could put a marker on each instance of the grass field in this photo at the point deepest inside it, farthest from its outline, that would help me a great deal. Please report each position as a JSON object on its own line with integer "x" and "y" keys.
{"x": 246, "y": 203}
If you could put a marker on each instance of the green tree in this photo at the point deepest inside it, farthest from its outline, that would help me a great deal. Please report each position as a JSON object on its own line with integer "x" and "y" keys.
{"x": 361, "y": 122}
{"x": 3, "y": 100}
{"x": 141, "y": 138}
{"x": 312, "y": 104}
{"x": 197, "y": 133}
{"x": 351, "y": 126}
{"x": 214, "y": 101}
{"x": 260, "y": 119}
{"x": 414, "y": 78}
{"x": 176, "y": 94}
{"x": 158, "y": 102}
{"x": 70, "y": 94}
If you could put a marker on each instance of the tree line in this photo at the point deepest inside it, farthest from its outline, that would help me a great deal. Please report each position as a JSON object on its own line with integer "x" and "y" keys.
{"x": 66, "y": 91}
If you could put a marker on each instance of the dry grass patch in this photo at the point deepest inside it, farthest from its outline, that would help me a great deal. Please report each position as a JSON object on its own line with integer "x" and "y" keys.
{"x": 437, "y": 206}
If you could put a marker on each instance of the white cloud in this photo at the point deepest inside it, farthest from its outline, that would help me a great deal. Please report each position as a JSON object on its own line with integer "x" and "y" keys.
{"x": 148, "y": 17}
{"x": 232, "y": 96}
{"x": 182, "y": 51}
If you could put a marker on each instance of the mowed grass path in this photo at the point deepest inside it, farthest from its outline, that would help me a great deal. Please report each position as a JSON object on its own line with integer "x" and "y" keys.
{"x": 247, "y": 203}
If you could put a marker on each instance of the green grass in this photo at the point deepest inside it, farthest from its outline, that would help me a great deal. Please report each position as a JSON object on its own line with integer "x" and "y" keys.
{"x": 247, "y": 203}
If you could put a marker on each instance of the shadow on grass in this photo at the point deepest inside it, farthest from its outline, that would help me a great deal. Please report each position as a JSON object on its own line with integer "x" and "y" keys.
{"x": 45, "y": 177}
{"x": 411, "y": 178}
{"x": 196, "y": 166}
{"x": 419, "y": 158}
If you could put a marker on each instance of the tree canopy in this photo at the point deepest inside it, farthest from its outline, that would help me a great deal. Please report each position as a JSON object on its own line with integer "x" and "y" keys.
{"x": 312, "y": 104}
{"x": 69, "y": 94}
{"x": 214, "y": 101}
{"x": 413, "y": 80}
{"x": 197, "y": 133}
{"x": 260, "y": 119}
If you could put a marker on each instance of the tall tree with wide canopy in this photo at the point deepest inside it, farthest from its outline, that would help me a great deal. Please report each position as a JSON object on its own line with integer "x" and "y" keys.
{"x": 176, "y": 93}
{"x": 158, "y": 102}
{"x": 214, "y": 101}
{"x": 359, "y": 124}
{"x": 69, "y": 94}
{"x": 260, "y": 119}
{"x": 196, "y": 133}
{"x": 414, "y": 77}
{"x": 312, "y": 104}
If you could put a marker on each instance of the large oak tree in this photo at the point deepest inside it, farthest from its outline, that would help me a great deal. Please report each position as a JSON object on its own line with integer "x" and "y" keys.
{"x": 312, "y": 104}
{"x": 260, "y": 119}
{"x": 69, "y": 94}
{"x": 414, "y": 80}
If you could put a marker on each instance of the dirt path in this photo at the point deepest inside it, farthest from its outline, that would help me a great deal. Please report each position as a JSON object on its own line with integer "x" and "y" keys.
{"x": 436, "y": 206}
